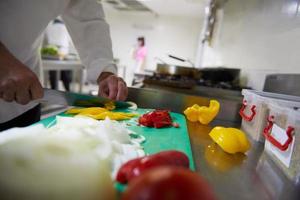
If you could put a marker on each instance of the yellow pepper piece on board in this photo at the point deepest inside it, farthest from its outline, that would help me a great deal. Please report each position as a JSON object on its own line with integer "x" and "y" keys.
{"x": 231, "y": 140}
{"x": 86, "y": 110}
{"x": 110, "y": 115}
{"x": 110, "y": 105}
{"x": 100, "y": 113}
{"x": 73, "y": 111}
{"x": 203, "y": 114}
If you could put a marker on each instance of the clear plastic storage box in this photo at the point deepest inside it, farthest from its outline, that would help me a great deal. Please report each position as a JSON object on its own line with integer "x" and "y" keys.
{"x": 255, "y": 110}
{"x": 282, "y": 134}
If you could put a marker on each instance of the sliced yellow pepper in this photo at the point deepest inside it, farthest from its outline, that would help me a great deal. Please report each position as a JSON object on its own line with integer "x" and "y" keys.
{"x": 231, "y": 140}
{"x": 92, "y": 110}
{"x": 203, "y": 114}
{"x": 100, "y": 113}
{"x": 110, "y": 105}
{"x": 111, "y": 115}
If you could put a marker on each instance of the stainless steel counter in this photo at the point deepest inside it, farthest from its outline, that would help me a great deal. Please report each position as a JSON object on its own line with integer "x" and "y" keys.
{"x": 253, "y": 176}
{"x": 203, "y": 91}
{"x": 177, "y": 101}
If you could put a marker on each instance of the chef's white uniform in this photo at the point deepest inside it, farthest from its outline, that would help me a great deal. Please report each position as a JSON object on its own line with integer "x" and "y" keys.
{"x": 22, "y": 23}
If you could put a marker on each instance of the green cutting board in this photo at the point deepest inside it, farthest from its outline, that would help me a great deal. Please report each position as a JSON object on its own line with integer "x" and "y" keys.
{"x": 169, "y": 138}
{"x": 157, "y": 140}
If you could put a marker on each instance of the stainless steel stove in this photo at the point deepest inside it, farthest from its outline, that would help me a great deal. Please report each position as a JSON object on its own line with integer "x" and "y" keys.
{"x": 184, "y": 82}
{"x": 174, "y": 81}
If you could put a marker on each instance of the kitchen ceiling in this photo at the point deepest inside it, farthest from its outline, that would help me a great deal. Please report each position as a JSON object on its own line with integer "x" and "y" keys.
{"x": 127, "y": 5}
{"x": 182, "y": 8}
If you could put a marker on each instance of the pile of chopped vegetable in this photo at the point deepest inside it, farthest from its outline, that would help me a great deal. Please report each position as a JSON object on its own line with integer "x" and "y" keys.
{"x": 101, "y": 113}
{"x": 157, "y": 119}
{"x": 75, "y": 158}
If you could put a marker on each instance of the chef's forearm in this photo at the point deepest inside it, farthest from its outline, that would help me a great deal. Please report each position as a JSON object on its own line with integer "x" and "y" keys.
{"x": 17, "y": 82}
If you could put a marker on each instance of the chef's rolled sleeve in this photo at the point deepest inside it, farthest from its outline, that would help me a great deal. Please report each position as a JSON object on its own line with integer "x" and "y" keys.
{"x": 90, "y": 33}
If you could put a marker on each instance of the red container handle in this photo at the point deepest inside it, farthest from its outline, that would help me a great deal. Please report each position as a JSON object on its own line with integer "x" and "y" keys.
{"x": 270, "y": 138}
{"x": 242, "y": 112}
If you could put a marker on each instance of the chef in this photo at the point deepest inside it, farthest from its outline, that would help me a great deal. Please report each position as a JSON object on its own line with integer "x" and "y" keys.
{"x": 22, "y": 23}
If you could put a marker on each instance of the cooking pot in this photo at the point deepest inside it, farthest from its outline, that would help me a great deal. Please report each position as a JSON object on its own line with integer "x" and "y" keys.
{"x": 175, "y": 70}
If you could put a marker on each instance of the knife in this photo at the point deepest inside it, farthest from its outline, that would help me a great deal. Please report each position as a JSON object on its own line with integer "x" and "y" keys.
{"x": 56, "y": 97}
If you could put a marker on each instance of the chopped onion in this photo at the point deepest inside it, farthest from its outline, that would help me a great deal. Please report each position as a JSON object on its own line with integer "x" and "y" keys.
{"x": 74, "y": 159}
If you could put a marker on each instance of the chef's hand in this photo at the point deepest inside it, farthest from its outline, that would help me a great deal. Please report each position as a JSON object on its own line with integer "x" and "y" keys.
{"x": 17, "y": 82}
{"x": 112, "y": 87}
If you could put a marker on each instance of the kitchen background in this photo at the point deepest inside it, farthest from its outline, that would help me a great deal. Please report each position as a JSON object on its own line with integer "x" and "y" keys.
{"x": 260, "y": 37}
{"x": 199, "y": 53}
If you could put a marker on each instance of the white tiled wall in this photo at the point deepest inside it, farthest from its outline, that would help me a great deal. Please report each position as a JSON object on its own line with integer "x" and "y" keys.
{"x": 261, "y": 37}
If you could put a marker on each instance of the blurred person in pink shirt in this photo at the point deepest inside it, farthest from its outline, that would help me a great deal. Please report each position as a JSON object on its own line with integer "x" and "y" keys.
{"x": 140, "y": 54}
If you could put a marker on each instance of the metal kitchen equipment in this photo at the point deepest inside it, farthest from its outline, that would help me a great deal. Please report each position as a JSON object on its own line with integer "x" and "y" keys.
{"x": 182, "y": 60}
{"x": 173, "y": 76}
{"x": 169, "y": 81}
{"x": 175, "y": 70}
{"x": 221, "y": 74}
{"x": 283, "y": 83}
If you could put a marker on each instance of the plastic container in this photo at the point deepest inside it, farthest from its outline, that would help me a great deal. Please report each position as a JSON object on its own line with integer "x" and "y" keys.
{"x": 270, "y": 178}
{"x": 255, "y": 110}
{"x": 282, "y": 134}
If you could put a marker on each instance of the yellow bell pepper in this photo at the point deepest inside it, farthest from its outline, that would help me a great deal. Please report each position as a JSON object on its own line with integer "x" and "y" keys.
{"x": 203, "y": 114}
{"x": 231, "y": 140}
{"x": 100, "y": 113}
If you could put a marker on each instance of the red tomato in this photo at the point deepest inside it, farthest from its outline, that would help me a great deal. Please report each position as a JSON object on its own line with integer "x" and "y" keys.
{"x": 136, "y": 167}
{"x": 168, "y": 183}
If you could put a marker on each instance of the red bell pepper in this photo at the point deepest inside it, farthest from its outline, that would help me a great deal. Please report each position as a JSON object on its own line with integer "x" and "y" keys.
{"x": 136, "y": 167}
{"x": 156, "y": 119}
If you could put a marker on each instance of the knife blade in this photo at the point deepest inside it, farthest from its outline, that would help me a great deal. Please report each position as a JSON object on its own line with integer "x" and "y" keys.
{"x": 56, "y": 97}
